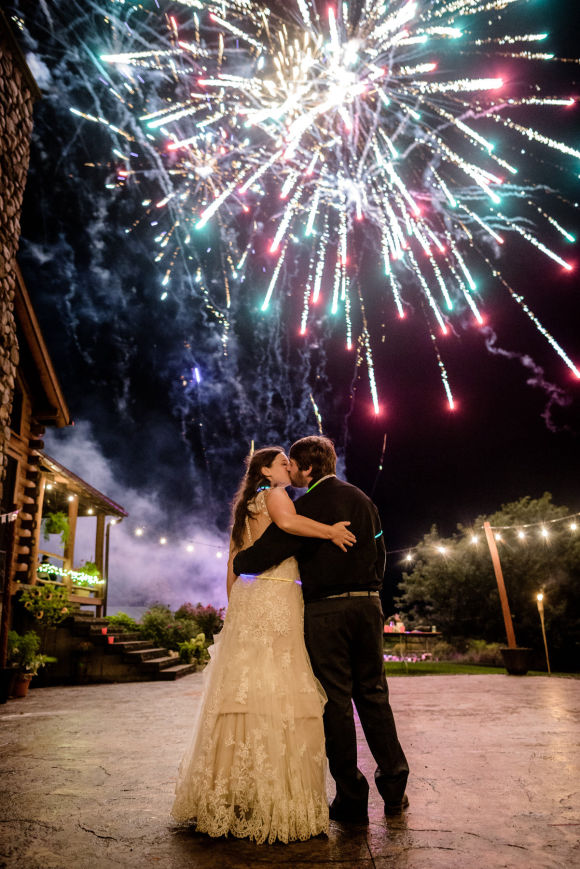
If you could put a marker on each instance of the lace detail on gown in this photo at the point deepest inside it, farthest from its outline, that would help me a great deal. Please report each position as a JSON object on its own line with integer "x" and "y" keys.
{"x": 256, "y": 766}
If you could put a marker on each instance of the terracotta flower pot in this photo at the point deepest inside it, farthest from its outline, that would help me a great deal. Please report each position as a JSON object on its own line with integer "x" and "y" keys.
{"x": 21, "y": 684}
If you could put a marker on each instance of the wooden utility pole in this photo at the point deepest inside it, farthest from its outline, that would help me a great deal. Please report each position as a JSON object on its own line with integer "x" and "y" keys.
{"x": 505, "y": 607}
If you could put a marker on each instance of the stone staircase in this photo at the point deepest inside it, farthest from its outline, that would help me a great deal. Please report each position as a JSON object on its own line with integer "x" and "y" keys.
{"x": 139, "y": 660}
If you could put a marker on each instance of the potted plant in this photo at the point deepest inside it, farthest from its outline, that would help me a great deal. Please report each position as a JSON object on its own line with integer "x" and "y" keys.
{"x": 91, "y": 578}
{"x": 56, "y": 523}
{"x": 23, "y": 652}
{"x": 49, "y": 605}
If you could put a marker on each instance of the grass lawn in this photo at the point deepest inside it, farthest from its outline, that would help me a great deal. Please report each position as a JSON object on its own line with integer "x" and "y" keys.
{"x": 446, "y": 668}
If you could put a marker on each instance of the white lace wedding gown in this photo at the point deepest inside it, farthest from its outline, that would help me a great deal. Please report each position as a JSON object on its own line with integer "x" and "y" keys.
{"x": 256, "y": 767}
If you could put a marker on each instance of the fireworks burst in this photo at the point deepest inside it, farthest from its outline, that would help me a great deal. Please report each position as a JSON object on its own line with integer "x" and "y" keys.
{"x": 303, "y": 129}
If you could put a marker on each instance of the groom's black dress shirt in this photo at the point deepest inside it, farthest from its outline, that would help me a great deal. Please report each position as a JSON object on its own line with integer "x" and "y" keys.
{"x": 324, "y": 568}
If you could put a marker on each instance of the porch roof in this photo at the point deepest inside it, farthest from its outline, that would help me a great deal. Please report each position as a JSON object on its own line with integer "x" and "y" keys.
{"x": 48, "y": 402}
{"x": 88, "y": 496}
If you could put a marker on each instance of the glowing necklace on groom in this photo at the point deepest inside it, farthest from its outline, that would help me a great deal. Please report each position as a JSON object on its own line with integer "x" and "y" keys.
{"x": 313, "y": 486}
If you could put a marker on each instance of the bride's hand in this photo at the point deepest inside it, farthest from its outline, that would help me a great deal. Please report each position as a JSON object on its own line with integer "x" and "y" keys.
{"x": 341, "y": 536}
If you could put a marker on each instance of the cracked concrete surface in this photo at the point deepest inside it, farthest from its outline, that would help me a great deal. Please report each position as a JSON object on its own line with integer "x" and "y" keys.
{"x": 88, "y": 774}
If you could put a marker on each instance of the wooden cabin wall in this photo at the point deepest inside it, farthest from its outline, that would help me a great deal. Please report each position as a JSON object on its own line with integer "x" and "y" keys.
{"x": 23, "y": 445}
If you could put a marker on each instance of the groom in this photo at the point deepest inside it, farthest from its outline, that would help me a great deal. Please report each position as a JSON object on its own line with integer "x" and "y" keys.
{"x": 343, "y": 624}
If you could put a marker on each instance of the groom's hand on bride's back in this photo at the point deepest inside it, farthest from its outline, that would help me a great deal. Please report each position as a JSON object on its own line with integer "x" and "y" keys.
{"x": 341, "y": 536}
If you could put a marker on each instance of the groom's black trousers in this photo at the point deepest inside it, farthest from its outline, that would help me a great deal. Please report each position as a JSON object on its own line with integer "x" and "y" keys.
{"x": 344, "y": 638}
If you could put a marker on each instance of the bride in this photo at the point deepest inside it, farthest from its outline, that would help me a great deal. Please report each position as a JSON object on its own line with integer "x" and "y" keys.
{"x": 256, "y": 766}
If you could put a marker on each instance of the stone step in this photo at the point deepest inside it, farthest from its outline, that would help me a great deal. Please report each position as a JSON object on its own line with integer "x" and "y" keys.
{"x": 157, "y": 664}
{"x": 88, "y": 619}
{"x": 84, "y": 627}
{"x": 105, "y": 640}
{"x": 147, "y": 654}
{"x": 122, "y": 636}
{"x": 170, "y": 673}
{"x": 136, "y": 658}
{"x": 132, "y": 645}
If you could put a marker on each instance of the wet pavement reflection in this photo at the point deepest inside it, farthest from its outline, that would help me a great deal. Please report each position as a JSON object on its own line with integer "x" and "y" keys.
{"x": 88, "y": 774}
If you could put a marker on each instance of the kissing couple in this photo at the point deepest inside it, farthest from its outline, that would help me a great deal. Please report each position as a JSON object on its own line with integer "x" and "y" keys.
{"x": 302, "y": 640}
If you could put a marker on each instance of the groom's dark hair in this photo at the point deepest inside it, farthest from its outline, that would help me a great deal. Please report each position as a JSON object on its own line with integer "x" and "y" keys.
{"x": 316, "y": 451}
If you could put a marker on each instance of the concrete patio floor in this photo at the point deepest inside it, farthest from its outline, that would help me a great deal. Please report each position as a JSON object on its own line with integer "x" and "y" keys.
{"x": 88, "y": 775}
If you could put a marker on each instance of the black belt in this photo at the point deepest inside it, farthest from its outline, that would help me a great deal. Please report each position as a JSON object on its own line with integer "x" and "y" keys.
{"x": 352, "y": 594}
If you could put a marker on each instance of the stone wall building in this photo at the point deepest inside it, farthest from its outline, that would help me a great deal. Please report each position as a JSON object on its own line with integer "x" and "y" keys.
{"x": 18, "y": 92}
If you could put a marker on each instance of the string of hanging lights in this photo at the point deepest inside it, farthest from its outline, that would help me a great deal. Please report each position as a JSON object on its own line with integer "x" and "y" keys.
{"x": 524, "y": 531}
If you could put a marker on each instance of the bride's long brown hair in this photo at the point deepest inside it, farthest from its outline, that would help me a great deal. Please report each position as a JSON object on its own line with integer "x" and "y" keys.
{"x": 248, "y": 488}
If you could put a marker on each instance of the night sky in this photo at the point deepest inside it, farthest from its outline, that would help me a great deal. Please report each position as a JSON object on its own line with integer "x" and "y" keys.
{"x": 121, "y": 354}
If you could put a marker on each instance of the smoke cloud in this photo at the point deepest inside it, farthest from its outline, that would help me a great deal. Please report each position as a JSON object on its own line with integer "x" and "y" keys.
{"x": 557, "y": 397}
{"x": 141, "y": 570}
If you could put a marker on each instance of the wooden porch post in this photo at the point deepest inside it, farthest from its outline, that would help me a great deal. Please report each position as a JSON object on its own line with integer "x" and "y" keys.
{"x": 69, "y": 550}
{"x": 100, "y": 544}
{"x": 32, "y": 576}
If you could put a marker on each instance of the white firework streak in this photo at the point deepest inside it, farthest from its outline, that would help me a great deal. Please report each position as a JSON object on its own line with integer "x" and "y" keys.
{"x": 341, "y": 119}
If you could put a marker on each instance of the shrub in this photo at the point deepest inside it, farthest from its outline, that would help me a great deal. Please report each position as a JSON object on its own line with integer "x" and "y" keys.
{"x": 465, "y": 651}
{"x": 486, "y": 654}
{"x": 442, "y": 651}
{"x": 23, "y": 651}
{"x": 209, "y": 619}
{"x": 122, "y": 622}
{"x": 160, "y": 627}
{"x": 194, "y": 650}
{"x": 47, "y": 603}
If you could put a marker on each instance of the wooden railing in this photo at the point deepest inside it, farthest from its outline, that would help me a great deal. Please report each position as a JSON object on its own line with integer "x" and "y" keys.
{"x": 83, "y": 595}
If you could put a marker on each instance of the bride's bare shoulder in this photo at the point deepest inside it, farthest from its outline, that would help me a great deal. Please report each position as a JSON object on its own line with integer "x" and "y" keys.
{"x": 280, "y": 506}
{"x": 277, "y": 494}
